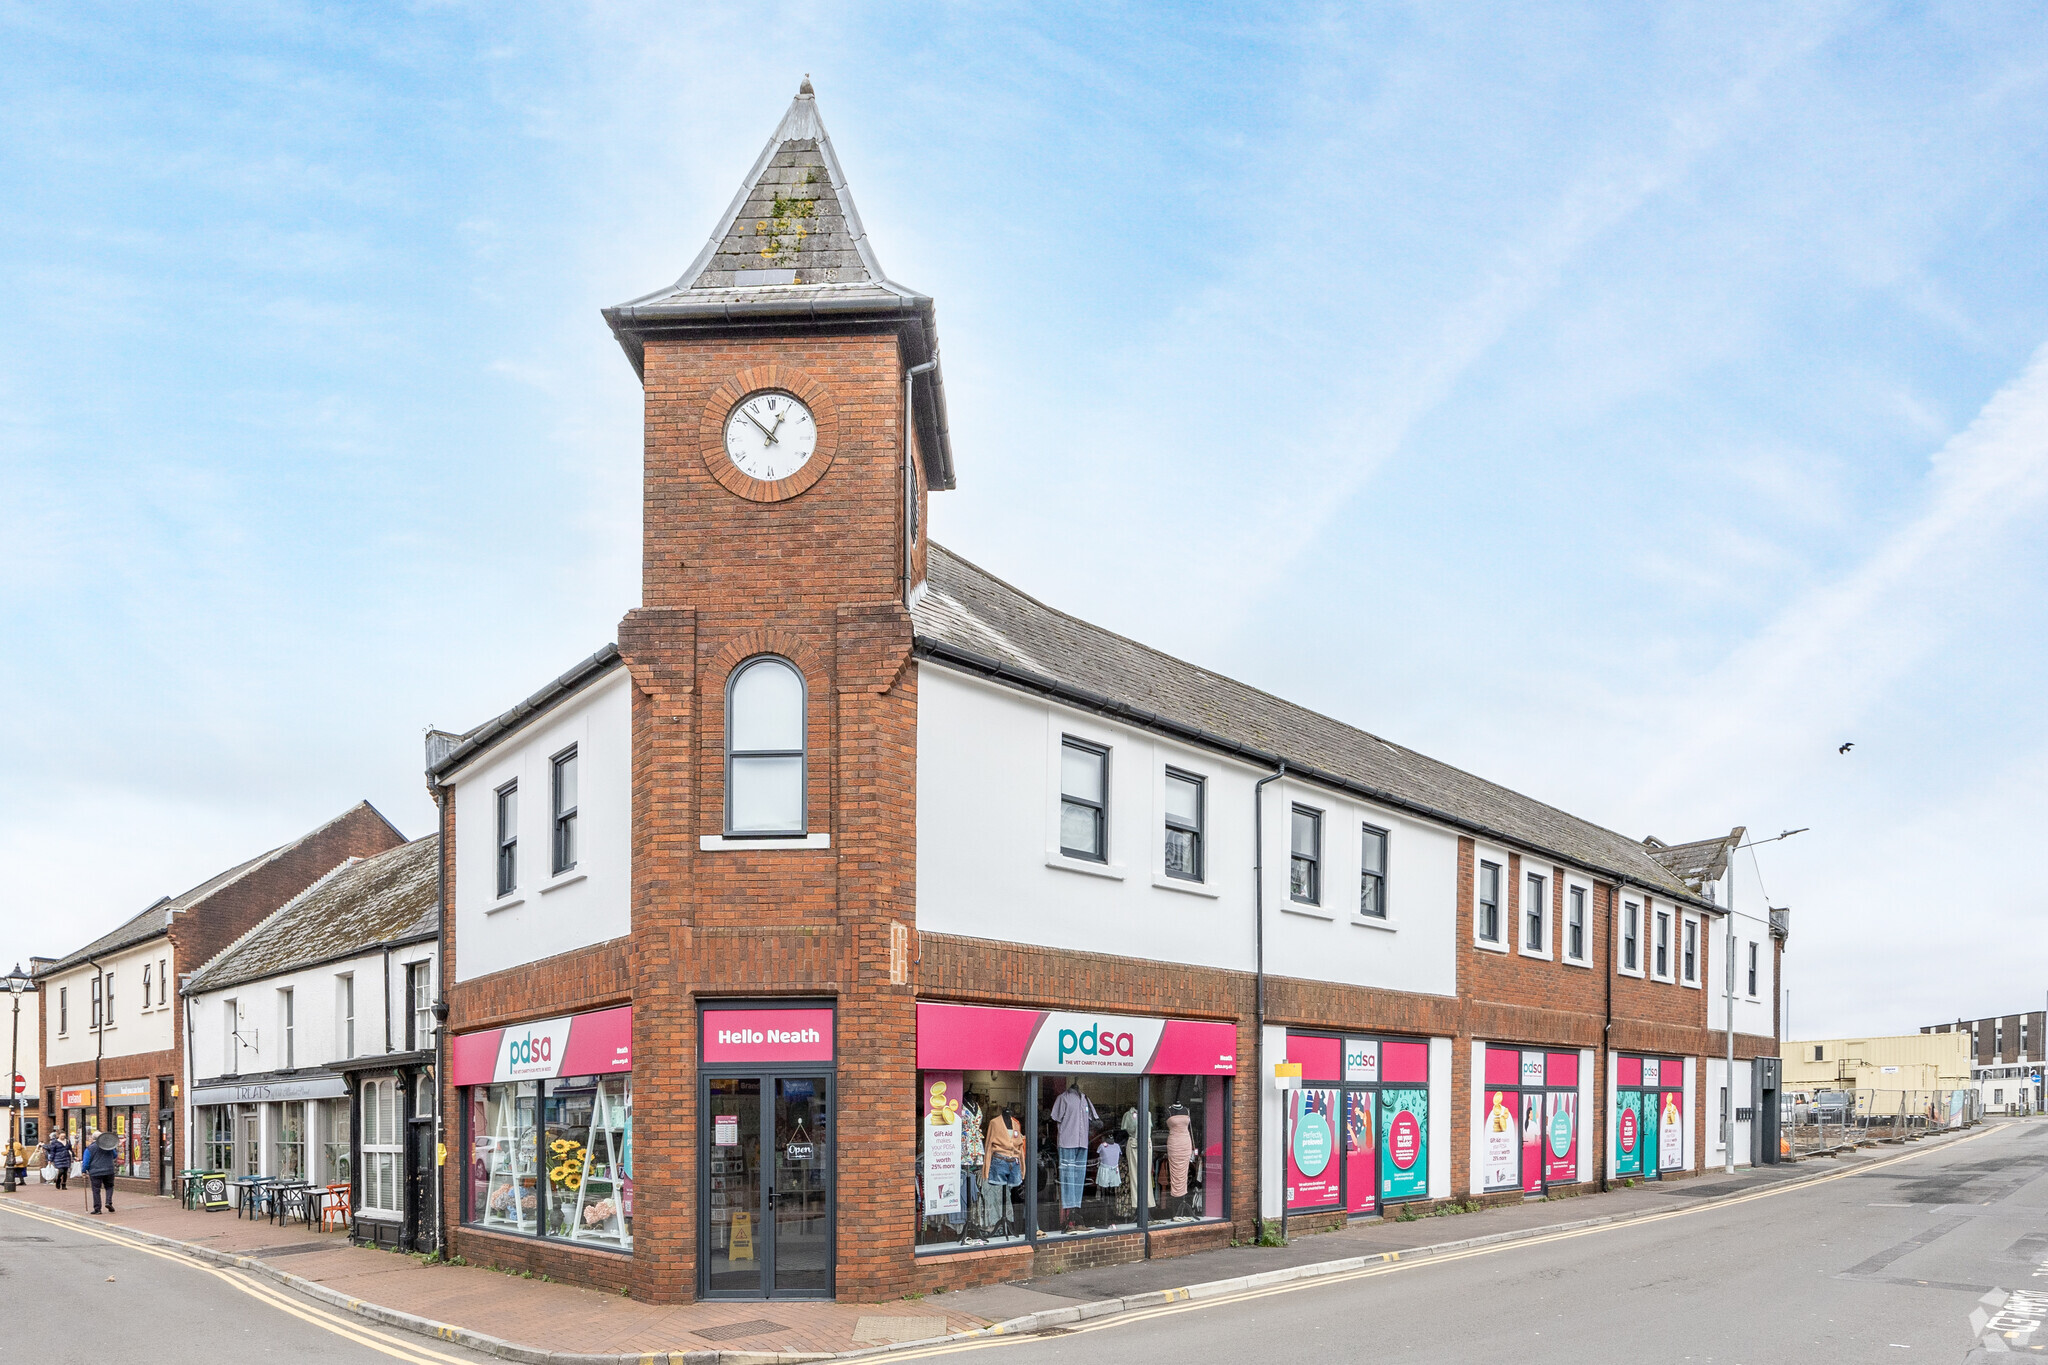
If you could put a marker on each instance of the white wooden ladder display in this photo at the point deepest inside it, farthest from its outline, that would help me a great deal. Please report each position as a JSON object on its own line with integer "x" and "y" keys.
{"x": 605, "y": 1112}
{"x": 504, "y": 1171}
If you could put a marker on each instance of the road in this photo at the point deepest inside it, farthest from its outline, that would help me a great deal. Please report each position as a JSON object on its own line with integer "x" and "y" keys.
{"x": 88, "y": 1297}
{"x": 1893, "y": 1263}
{"x": 1914, "y": 1259}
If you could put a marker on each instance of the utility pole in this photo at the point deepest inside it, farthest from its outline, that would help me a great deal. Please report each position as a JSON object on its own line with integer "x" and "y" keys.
{"x": 1728, "y": 1020}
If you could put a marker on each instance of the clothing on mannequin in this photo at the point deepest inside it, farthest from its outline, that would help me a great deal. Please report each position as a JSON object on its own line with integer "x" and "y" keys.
{"x": 1074, "y": 1117}
{"x": 1180, "y": 1150}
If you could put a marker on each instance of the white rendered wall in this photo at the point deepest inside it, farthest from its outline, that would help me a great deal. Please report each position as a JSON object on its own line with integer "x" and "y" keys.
{"x": 320, "y": 1035}
{"x": 135, "y": 1028}
{"x": 1739, "y": 1098}
{"x": 989, "y": 863}
{"x": 547, "y": 914}
{"x": 1752, "y": 924}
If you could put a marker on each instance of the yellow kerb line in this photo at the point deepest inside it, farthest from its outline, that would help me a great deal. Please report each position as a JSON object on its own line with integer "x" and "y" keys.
{"x": 342, "y": 1327}
{"x": 1393, "y": 1262}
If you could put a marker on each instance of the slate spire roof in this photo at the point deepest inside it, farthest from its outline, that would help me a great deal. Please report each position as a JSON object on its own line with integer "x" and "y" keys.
{"x": 791, "y": 248}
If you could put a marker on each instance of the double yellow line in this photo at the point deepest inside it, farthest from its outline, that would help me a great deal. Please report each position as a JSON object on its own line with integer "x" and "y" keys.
{"x": 1394, "y": 1265}
{"x": 352, "y": 1328}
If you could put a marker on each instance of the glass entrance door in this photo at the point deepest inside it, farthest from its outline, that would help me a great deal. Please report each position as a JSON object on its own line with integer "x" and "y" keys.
{"x": 766, "y": 1220}
{"x": 1648, "y": 1103}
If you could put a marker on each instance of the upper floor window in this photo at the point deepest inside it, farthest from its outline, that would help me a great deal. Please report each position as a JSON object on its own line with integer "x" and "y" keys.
{"x": 98, "y": 1005}
{"x": 1663, "y": 943}
{"x": 764, "y": 748}
{"x": 1575, "y": 924}
{"x": 163, "y": 981}
{"x": 1692, "y": 951}
{"x": 230, "y": 1038}
{"x": 345, "y": 1013}
{"x": 1084, "y": 800}
{"x": 63, "y": 1009}
{"x": 1535, "y": 911}
{"x": 563, "y": 784}
{"x": 147, "y": 977}
{"x": 419, "y": 1002}
{"x": 1752, "y": 970}
{"x": 1305, "y": 856}
{"x": 1631, "y": 929}
{"x": 508, "y": 838}
{"x": 1817, "y": 1050}
{"x": 286, "y": 1017}
{"x": 1184, "y": 800}
{"x": 1489, "y": 902}
{"x": 1372, "y": 872}
{"x": 110, "y": 999}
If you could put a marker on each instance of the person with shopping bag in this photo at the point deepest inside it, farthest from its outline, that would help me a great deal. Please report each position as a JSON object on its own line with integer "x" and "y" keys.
{"x": 58, "y": 1150}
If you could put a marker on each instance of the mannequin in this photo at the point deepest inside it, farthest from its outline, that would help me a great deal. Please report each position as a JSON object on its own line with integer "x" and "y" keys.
{"x": 1180, "y": 1153}
{"x": 1074, "y": 1119}
{"x": 1002, "y": 1168}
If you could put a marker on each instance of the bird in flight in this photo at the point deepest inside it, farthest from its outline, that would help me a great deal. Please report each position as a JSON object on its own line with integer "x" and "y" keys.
{"x": 1846, "y": 747}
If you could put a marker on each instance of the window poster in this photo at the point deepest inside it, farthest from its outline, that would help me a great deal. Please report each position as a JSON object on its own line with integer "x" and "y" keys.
{"x": 1404, "y": 1142}
{"x": 1561, "y": 1136}
{"x": 1628, "y": 1132}
{"x": 942, "y": 1143}
{"x": 1361, "y": 1185}
{"x": 1670, "y": 1130}
{"x": 1647, "y": 1101}
{"x": 1498, "y": 1164}
{"x": 1532, "y": 1142}
{"x": 1312, "y": 1169}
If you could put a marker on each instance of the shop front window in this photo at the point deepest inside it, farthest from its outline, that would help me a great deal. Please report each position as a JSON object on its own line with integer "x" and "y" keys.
{"x": 1357, "y": 1131}
{"x": 553, "y": 1159}
{"x": 504, "y": 1167}
{"x": 334, "y": 1167}
{"x": 970, "y": 1157}
{"x": 131, "y": 1127}
{"x": 587, "y": 1150}
{"x": 219, "y": 1128}
{"x": 1087, "y": 1175}
{"x": 291, "y": 1141}
{"x": 1022, "y": 1154}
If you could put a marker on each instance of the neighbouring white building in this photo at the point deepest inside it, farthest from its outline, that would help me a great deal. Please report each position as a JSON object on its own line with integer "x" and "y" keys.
{"x": 312, "y": 1041}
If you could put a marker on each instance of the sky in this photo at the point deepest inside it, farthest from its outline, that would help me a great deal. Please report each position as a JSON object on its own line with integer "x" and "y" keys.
{"x": 1630, "y": 404}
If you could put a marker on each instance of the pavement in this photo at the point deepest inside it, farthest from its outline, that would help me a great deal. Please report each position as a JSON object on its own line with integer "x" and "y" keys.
{"x": 487, "y": 1314}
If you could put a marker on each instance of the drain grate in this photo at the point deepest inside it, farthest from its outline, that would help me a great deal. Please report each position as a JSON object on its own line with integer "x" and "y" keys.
{"x": 732, "y": 1331}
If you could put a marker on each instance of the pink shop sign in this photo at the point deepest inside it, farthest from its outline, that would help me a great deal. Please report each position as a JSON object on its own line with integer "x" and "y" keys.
{"x": 768, "y": 1035}
{"x": 987, "y": 1038}
{"x": 594, "y": 1044}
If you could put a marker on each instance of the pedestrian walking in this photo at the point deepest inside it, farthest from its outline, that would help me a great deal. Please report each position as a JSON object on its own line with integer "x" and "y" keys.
{"x": 17, "y": 1162}
{"x": 58, "y": 1150}
{"x": 99, "y": 1168}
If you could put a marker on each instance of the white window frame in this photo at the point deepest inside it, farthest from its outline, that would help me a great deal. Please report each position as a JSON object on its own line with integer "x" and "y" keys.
{"x": 383, "y": 1151}
{"x": 1690, "y": 932}
{"x": 1755, "y": 969}
{"x": 419, "y": 1002}
{"x": 1661, "y": 921}
{"x": 1480, "y": 865}
{"x": 288, "y": 1022}
{"x": 1583, "y": 895}
{"x": 230, "y": 1043}
{"x": 1367, "y": 829}
{"x": 1542, "y": 916}
{"x": 345, "y": 1012}
{"x": 163, "y": 983}
{"x": 1631, "y": 916}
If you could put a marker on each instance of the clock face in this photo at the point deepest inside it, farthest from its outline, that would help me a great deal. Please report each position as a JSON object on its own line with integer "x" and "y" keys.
{"x": 770, "y": 435}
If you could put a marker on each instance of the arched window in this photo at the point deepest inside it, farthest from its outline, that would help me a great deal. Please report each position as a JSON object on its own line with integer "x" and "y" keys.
{"x": 764, "y": 748}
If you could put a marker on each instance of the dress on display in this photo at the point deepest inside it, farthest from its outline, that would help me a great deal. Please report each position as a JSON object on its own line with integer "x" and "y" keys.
{"x": 1180, "y": 1153}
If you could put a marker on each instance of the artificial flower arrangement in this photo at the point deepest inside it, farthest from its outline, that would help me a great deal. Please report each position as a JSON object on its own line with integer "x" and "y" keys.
{"x": 567, "y": 1171}
{"x": 598, "y": 1214}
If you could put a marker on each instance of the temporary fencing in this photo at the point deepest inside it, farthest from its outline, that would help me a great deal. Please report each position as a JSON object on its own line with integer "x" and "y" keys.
{"x": 1843, "y": 1118}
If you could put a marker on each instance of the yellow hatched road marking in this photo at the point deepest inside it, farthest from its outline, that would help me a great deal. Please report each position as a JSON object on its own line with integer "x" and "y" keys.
{"x": 358, "y": 1332}
{"x": 1392, "y": 1263}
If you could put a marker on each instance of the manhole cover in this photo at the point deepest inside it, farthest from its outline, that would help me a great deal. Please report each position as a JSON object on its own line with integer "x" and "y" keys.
{"x": 732, "y": 1331}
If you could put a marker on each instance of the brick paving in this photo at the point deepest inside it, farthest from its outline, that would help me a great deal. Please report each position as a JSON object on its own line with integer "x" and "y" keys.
{"x": 531, "y": 1313}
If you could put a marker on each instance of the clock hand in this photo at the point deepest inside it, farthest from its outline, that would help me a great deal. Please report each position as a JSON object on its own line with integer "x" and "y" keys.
{"x": 756, "y": 421}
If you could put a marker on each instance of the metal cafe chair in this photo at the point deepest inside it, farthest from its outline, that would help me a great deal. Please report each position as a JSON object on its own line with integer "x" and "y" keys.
{"x": 335, "y": 1208}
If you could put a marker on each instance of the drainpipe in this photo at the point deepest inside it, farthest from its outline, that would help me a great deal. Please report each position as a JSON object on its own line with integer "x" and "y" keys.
{"x": 1259, "y": 1006}
{"x": 440, "y": 1012}
{"x": 910, "y": 472}
{"x": 1607, "y": 1029}
{"x": 100, "y": 1042}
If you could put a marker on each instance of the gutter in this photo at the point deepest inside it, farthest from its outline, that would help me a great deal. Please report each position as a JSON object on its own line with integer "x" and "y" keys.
{"x": 1027, "y": 680}
{"x": 601, "y": 662}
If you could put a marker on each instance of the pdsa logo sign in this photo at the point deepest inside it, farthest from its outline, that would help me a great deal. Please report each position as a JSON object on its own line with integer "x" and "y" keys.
{"x": 531, "y": 1050}
{"x": 1069, "y": 1041}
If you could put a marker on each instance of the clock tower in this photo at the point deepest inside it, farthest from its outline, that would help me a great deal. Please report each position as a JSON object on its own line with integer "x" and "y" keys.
{"x": 794, "y": 427}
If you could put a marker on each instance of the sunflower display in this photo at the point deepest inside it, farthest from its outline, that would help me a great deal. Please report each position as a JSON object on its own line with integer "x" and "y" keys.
{"x": 567, "y": 1172}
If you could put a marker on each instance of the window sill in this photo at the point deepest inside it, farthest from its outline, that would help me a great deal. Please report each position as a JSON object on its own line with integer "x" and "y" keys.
{"x": 569, "y": 878}
{"x": 504, "y": 903}
{"x": 1184, "y": 886}
{"x": 1113, "y": 871}
{"x": 1532, "y": 952}
{"x": 1577, "y": 962}
{"x": 1307, "y": 911}
{"x": 1690, "y": 985}
{"x": 727, "y": 843}
{"x": 1384, "y": 925}
{"x": 1487, "y": 946}
{"x": 1633, "y": 972}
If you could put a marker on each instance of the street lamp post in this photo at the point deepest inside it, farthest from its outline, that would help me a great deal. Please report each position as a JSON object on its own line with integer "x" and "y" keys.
{"x": 1728, "y": 1020}
{"x": 17, "y": 982}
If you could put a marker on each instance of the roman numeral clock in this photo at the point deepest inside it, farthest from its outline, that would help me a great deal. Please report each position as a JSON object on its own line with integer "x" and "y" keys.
{"x": 768, "y": 433}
